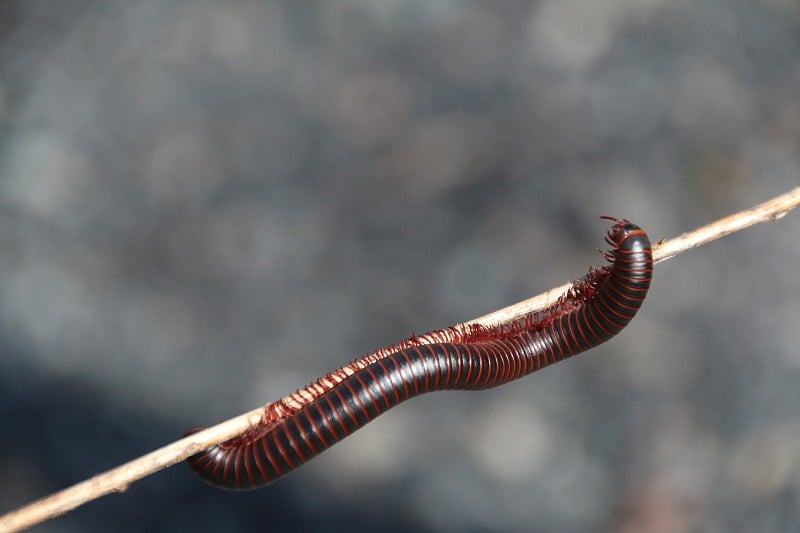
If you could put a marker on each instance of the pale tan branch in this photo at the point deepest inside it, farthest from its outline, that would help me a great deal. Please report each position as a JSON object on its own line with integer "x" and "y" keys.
{"x": 118, "y": 479}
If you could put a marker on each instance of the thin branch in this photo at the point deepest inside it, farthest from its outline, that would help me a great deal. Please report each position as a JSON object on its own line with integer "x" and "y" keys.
{"x": 118, "y": 479}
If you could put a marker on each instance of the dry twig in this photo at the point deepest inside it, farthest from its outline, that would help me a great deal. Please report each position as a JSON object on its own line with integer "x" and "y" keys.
{"x": 118, "y": 479}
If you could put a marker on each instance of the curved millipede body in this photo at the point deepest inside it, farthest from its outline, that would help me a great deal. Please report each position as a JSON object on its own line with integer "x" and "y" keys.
{"x": 478, "y": 357}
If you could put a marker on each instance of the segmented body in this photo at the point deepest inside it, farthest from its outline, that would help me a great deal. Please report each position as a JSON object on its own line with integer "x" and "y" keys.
{"x": 468, "y": 357}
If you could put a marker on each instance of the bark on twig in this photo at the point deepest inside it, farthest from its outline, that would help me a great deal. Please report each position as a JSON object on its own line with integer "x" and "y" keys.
{"x": 118, "y": 479}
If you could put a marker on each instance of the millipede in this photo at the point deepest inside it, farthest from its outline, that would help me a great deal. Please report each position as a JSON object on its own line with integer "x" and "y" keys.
{"x": 302, "y": 425}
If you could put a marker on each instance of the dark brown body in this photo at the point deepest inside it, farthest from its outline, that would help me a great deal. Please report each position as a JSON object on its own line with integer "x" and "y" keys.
{"x": 267, "y": 454}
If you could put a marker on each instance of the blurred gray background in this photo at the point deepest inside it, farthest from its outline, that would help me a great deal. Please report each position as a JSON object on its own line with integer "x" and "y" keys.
{"x": 205, "y": 205}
